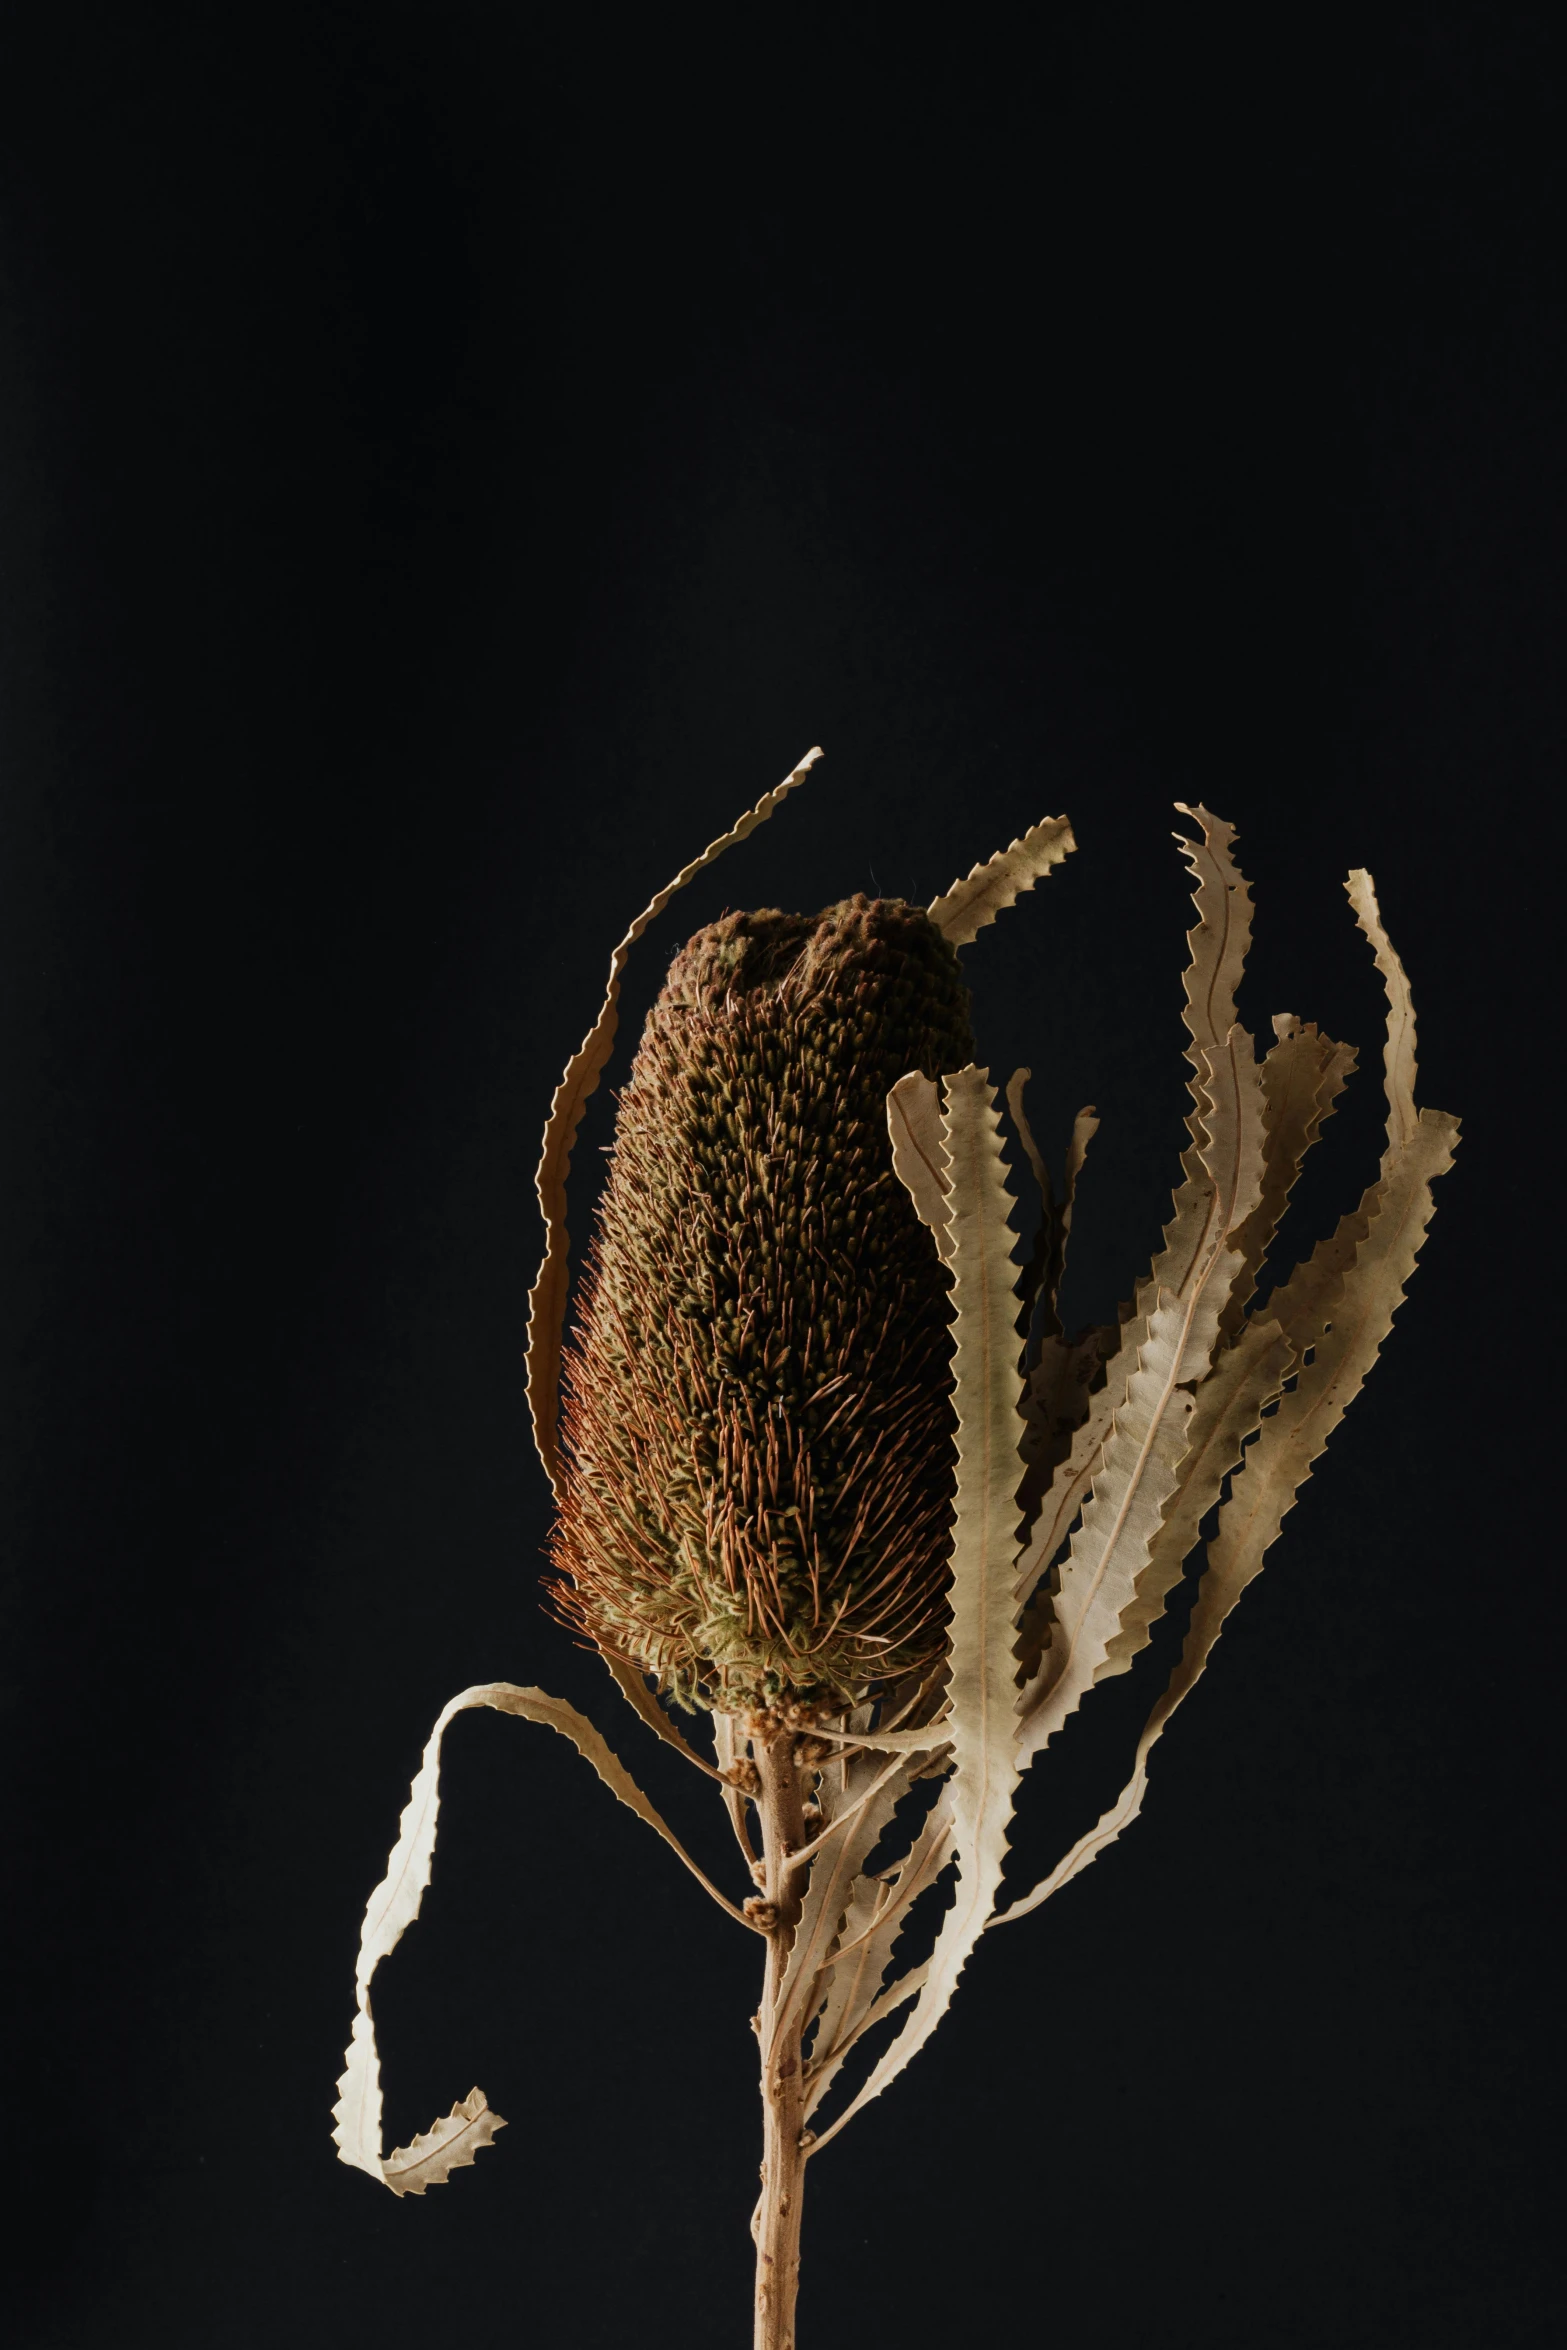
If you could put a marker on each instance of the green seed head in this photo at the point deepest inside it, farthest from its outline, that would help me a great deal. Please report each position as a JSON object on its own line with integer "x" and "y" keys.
{"x": 757, "y": 1423}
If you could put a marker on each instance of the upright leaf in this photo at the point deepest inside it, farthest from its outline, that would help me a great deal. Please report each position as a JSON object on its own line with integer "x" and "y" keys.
{"x": 1226, "y": 1413}
{"x": 1302, "y": 1077}
{"x": 1131, "y": 1447}
{"x": 1341, "y": 1308}
{"x": 835, "y": 1879}
{"x": 914, "y": 1124}
{"x": 547, "y": 1300}
{"x": 1042, "y": 1274}
{"x": 876, "y": 1917}
{"x": 979, "y": 1721}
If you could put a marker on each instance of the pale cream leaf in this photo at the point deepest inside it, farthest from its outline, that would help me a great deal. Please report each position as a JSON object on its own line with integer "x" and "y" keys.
{"x": 1127, "y": 1455}
{"x": 1302, "y": 1076}
{"x": 914, "y": 1124}
{"x": 451, "y": 2145}
{"x": 394, "y": 1905}
{"x": 1340, "y": 1308}
{"x": 965, "y": 909}
{"x": 979, "y": 1722}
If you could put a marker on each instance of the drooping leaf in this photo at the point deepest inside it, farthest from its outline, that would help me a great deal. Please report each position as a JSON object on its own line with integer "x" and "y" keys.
{"x": 547, "y": 1299}
{"x": 969, "y": 905}
{"x": 451, "y": 2145}
{"x": 394, "y": 1904}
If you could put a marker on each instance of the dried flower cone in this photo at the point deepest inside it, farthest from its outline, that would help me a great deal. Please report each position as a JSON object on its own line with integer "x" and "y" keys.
{"x": 757, "y": 1416}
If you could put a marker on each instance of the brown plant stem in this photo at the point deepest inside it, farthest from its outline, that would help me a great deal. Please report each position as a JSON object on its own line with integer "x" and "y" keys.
{"x": 776, "y": 2227}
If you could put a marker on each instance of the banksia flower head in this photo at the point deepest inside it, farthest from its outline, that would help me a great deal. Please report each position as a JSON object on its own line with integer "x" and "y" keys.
{"x": 758, "y": 1459}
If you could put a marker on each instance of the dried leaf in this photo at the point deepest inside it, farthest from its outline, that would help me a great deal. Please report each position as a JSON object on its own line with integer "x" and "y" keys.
{"x": 1303, "y": 1304}
{"x": 1280, "y": 1460}
{"x": 876, "y": 1917}
{"x": 633, "y": 1687}
{"x": 547, "y": 1300}
{"x": 925, "y": 1741}
{"x": 1059, "y": 1399}
{"x": 1042, "y": 1274}
{"x": 820, "y": 2078}
{"x": 1398, "y": 1055}
{"x": 1227, "y": 1412}
{"x": 1074, "y": 1475}
{"x": 914, "y": 1123}
{"x": 1136, "y": 1477}
{"x": 451, "y": 2145}
{"x": 984, "y": 1549}
{"x": 394, "y": 1904}
{"x": 969, "y": 905}
{"x": 1025, "y": 1134}
{"x": 1222, "y": 933}
{"x": 831, "y": 1890}
{"x": 1355, "y": 1286}
{"x": 1084, "y": 1127}
{"x": 1131, "y": 1447}
{"x": 727, "y": 1747}
{"x": 1302, "y": 1077}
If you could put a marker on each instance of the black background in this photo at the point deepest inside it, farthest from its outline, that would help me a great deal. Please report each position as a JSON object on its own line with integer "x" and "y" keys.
{"x": 450, "y": 466}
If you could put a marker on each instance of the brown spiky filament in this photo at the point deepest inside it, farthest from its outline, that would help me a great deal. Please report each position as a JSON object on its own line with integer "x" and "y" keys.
{"x": 757, "y": 1424}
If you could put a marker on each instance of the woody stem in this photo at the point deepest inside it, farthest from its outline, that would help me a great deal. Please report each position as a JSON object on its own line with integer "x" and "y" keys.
{"x": 776, "y": 2227}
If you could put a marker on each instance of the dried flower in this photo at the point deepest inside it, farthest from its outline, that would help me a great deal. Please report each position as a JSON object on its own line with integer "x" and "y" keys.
{"x": 757, "y": 1425}
{"x": 810, "y": 1482}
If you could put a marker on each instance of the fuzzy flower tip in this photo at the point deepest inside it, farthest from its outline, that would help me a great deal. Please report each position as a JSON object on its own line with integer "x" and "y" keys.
{"x": 757, "y": 1421}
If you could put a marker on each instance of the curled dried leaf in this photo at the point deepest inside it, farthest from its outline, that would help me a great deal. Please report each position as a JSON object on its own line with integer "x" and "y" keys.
{"x": 394, "y": 1905}
{"x": 451, "y": 2145}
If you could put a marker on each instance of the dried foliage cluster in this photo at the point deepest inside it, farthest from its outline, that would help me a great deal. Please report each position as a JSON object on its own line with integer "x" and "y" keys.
{"x": 804, "y": 1279}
